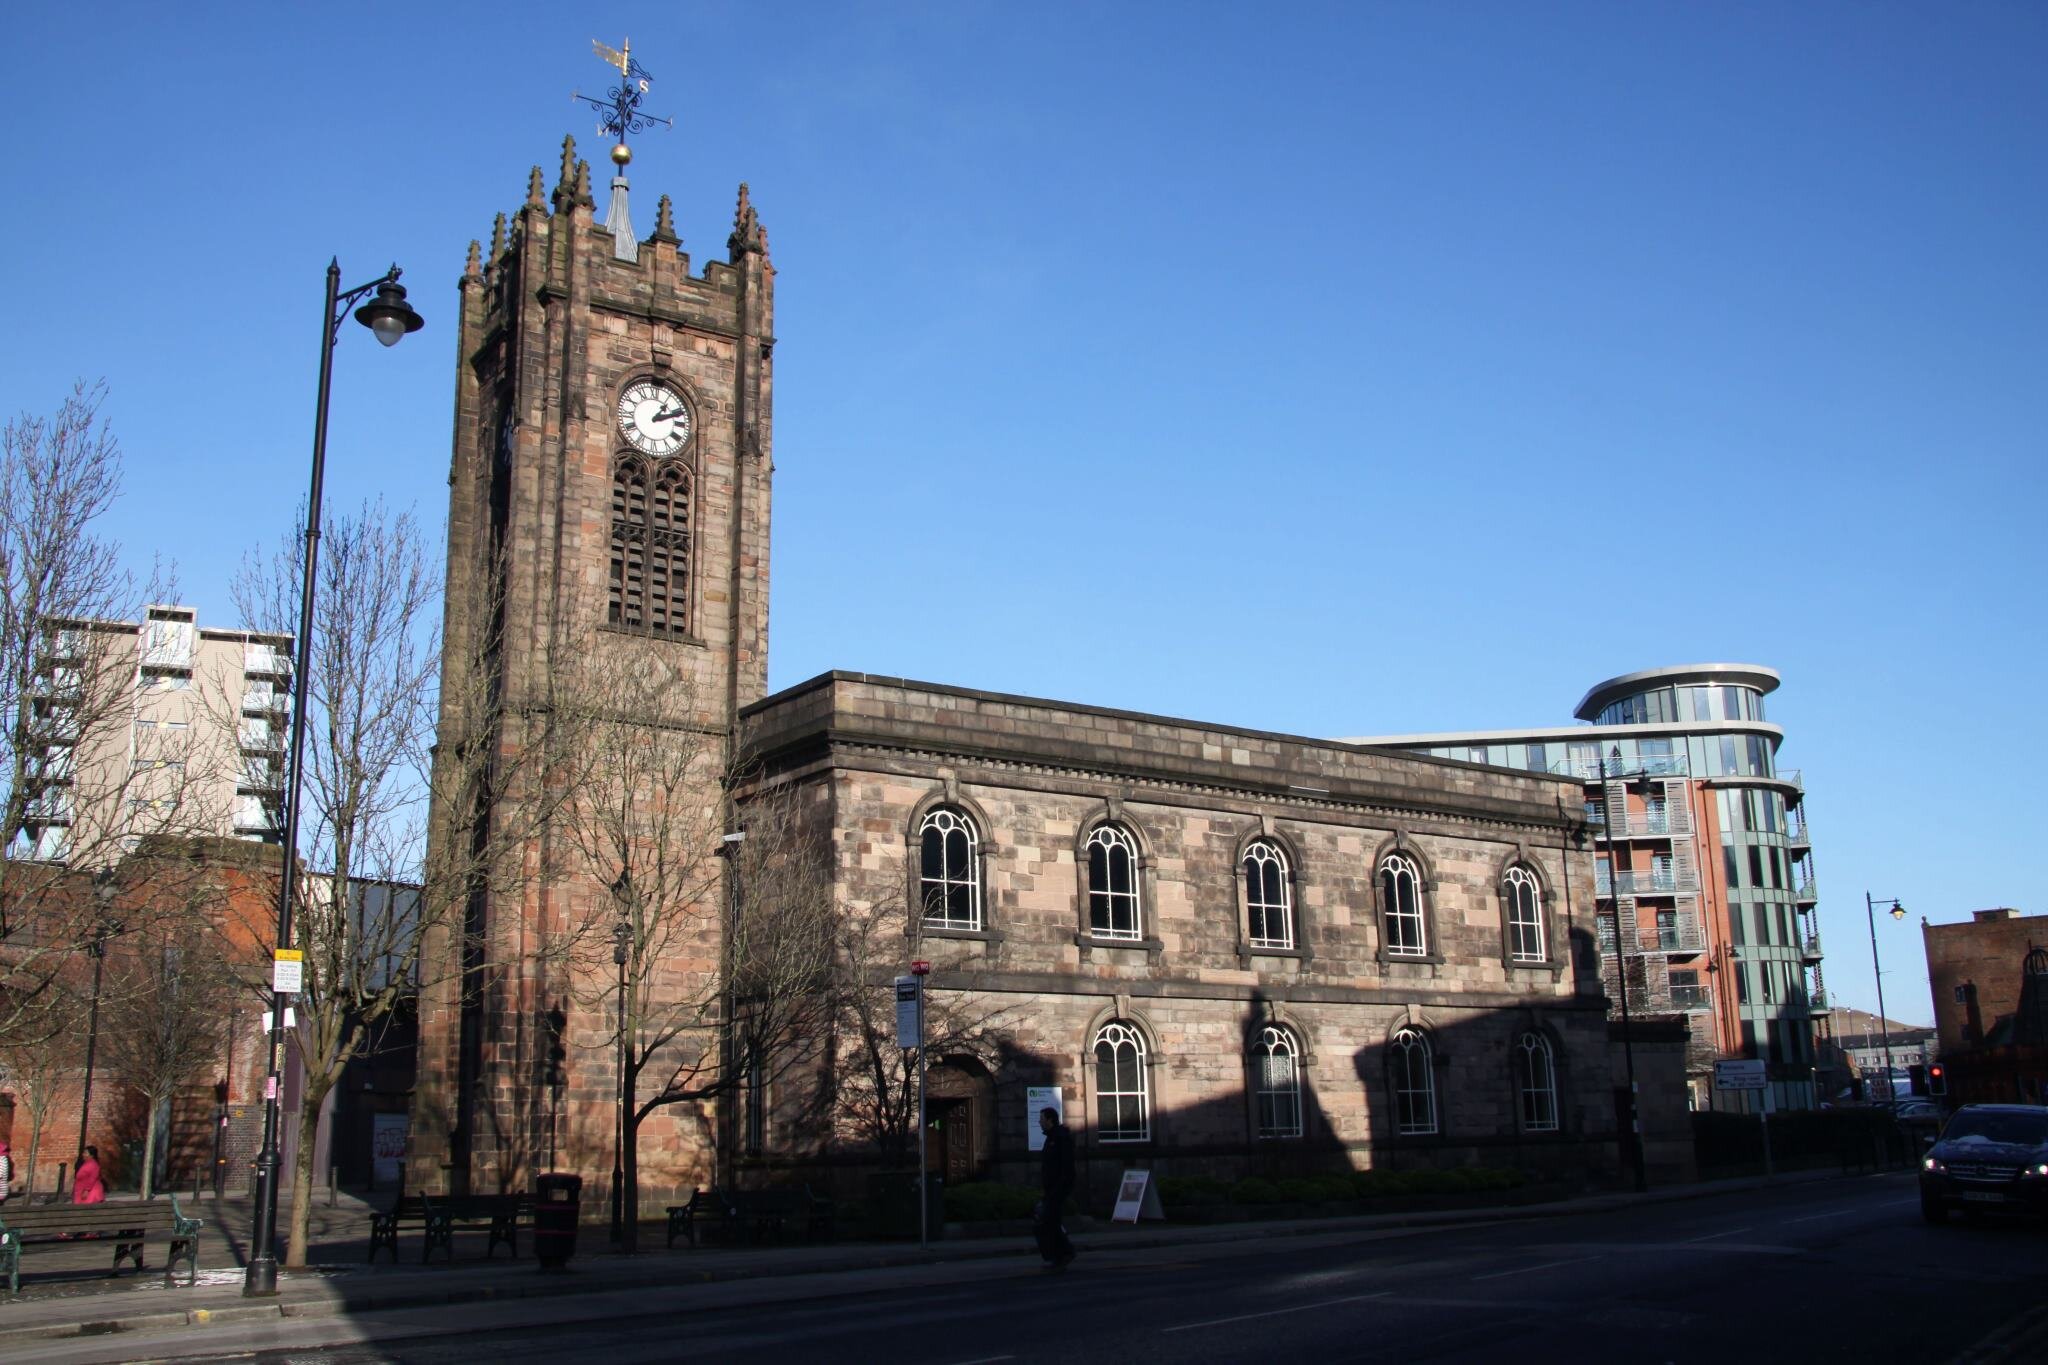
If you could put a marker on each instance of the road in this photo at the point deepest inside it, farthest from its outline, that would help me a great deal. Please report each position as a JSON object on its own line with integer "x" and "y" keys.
{"x": 1812, "y": 1272}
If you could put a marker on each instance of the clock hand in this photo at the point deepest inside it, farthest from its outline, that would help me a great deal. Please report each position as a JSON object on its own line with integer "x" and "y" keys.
{"x": 666, "y": 416}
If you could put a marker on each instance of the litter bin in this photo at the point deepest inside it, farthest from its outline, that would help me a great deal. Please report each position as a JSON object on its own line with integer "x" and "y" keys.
{"x": 557, "y": 1197}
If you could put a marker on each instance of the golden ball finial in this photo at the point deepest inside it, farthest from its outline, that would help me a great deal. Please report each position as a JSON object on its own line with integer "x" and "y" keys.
{"x": 622, "y": 154}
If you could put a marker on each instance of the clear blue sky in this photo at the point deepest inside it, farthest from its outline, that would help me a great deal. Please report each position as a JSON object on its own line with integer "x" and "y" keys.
{"x": 1335, "y": 369}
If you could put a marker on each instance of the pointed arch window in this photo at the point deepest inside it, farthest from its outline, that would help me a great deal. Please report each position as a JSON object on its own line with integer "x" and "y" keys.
{"x": 1123, "y": 1100}
{"x": 949, "y": 878}
{"x": 1525, "y": 916}
{"x": 1413, "y": 1081}
{"x": 650, "y": 546}
{"x": 1276, "y": 1082}
{"x": 1113, "y": 909}
{"x": 1268, "y": 902}
{"x": 1536, "y": 1079}
{"x": 1401, "y": 908}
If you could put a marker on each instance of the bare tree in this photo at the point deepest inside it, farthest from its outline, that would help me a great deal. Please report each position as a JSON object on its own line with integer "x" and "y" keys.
{"x": 37, "y": 1067}
{"x": 169, "y": 988}
{"x": 374, "y": 891}
{"x": 870, "y": 1094}
{"x": 369, "y": 671}
{"x": 710, "y": 957}
{"x": 77, "y": 794}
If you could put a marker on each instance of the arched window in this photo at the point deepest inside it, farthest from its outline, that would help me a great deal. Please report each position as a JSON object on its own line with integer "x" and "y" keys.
{"x": 1536, "y": 1079}
{"x": 1123, "y": 1109}
{"x": 1413, "y": 1081}
{"x": 1401, "y": 907}
{"x": 1276, "y": 1082}
{"x": 650, "y": 569}
{"x": 1113, "y": 885}
{"x": 1525, "y": 916}
{"x": 1268, "y": 903}
{"x": 949, "y": 881}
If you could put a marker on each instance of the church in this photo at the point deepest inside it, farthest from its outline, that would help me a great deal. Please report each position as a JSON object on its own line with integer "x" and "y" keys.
{"x": 1220, "y": 951}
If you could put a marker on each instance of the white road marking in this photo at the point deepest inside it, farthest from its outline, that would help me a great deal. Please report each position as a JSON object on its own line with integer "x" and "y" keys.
{"x": 1816, "y": 1217}
{"x": 1732, "y": 1232}
{"x": 1532, "y": 1269}
{"x": 1277, "y": 1312}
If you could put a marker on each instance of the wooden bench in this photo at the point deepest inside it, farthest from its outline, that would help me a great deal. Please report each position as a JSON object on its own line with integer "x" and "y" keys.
{"x": 753, "y": 1214}
{"x": 705, "y": 1207}
{"x": 437, "y": 1215}
{"x": 128, "y": 1224}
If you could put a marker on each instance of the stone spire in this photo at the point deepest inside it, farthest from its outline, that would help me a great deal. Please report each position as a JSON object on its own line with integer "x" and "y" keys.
{"x": 474, "y": 267}
{"x": 664, "y": 222}
{"x": 498, "y": 233}
{"x": 536, "y": 198}
{"x": 619, "y": 218}
{"x": 747, "y": 232}
{"x": 565, "y": 182}
{"x": 583, "y": 199}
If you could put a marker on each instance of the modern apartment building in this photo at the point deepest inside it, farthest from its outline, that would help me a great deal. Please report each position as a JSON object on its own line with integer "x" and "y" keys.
{"x": 160, "y": 726}
{"x": 1705, "y": 867}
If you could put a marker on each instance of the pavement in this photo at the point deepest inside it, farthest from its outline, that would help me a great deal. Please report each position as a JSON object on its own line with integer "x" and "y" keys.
{"x": 78, "y": 1300}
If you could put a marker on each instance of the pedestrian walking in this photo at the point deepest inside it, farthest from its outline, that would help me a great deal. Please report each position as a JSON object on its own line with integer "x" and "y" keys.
{"x": 86, "y": 1185}
{"x": 1056, "y": 1170}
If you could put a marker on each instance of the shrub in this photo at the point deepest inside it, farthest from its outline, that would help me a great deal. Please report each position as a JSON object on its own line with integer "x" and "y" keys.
{"x": 1254, "y": 1190}
{"x": 985, "y": 1201}
{"x": 1192, "y": 1192}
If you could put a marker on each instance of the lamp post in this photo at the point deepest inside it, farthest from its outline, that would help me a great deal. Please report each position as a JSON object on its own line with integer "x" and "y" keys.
{"x": 622, "y": 944}
{"x": 1898, "y": 911}
{"x": 1628, "y": 1047}
{"x": 103, "y": 899}
{"x": 390, "y": 318}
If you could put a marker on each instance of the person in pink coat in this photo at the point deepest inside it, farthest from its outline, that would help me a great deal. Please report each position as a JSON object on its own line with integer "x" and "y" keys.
{"x": 86, "y": 1186}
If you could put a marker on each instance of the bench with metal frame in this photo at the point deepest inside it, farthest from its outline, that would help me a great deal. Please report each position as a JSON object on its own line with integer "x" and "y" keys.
{"x": 129, "y": 1224}
{"x": 437, "y": 1215}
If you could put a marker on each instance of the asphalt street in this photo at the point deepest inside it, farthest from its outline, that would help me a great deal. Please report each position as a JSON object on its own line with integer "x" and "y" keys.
{"x": 1840, "y": 1270}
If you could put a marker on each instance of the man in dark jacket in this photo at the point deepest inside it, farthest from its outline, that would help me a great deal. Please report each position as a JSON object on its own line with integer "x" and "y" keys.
{"x": 1056, "y": 1167}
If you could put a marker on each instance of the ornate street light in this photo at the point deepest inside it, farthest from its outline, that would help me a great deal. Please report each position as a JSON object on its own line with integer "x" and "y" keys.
{"x": 390, "y": 317}
{"x": 1884, "y": 1022}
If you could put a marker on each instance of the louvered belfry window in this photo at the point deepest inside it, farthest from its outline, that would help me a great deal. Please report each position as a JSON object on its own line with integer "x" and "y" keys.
{"x": 650, "y": 549}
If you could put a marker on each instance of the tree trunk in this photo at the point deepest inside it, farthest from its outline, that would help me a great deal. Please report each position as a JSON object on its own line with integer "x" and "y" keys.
{"x": 149, "y": 1151}
{"x": 629, "y": 1201}
{"x": 302, "y": 1170}
{"x": 35, "y": 1149}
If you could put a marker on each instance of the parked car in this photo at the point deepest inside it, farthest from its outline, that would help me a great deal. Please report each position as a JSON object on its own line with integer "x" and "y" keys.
{"x": 1991, "y": 1157}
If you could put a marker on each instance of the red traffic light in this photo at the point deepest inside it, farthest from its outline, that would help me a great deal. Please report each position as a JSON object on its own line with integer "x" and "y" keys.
{"x": 1937, "y": 1079}
{"x": 920, "y": 967}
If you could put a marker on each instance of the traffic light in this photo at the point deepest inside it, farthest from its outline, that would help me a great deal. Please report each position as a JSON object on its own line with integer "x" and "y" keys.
{"x": 1916, "y": 1079}
{"x": 1937, "y": 1079}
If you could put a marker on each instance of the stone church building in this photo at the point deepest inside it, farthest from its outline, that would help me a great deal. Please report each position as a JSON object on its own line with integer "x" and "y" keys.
{"x": 1227, "y": 951}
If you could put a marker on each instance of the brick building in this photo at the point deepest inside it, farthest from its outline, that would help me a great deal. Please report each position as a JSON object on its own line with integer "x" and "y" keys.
{"x": 1221, "y": 946}
{"x": 1989, "y": 979}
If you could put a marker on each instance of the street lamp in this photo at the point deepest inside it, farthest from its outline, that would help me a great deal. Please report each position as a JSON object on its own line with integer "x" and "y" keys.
{"x": 622, "y": 942}
{"x": 103, "y": 900}
{"x": 1898, "y": 911}
{"x": 390, "y": 318}
{"x": 1628, "y": 1047}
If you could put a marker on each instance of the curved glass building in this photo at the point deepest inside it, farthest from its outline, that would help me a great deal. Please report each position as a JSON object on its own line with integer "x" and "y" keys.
{"x": 1705, "y": 870}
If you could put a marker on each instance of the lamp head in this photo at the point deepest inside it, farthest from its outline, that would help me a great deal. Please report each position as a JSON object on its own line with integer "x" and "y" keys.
{"x": 389, "y": 315}
{"x": 1898, "y": 910}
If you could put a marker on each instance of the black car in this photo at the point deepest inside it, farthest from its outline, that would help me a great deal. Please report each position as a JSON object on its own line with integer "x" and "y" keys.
{"x": 1990, "y": 1157}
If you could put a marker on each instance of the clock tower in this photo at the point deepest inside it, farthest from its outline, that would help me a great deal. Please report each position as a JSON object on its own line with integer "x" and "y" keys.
{"x": 609, "y": 487}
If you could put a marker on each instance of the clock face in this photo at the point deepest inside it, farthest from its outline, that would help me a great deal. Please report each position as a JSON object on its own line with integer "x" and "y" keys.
{"x": 654, "y": 417}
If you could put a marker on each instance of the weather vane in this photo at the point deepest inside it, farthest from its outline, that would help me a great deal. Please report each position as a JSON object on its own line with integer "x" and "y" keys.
{"x": 619, "y": 112}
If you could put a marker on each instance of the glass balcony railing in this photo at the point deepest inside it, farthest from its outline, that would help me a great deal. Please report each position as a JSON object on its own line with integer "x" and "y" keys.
{"x": 1691, "y": 998}
{"x": 1656, "y": 882}
{"x": 1639, "y": 765}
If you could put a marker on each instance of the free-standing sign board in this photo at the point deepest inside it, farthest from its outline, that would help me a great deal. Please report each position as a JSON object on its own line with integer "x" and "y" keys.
{"x": 1136, "y": 1197}
{"x": 1037, "y": 1099}
{"x": 909, "y": 1012}
{"x": 1739, "y": 1076}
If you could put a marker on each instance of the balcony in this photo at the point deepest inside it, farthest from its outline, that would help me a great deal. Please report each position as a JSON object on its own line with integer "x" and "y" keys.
{"x": 260, "y": 736}
{"x": 1643, "y": 765}
{"x": 1681, "y": 937}
{"x": 1809, "y": 949}
{"x": 1805, "y": 893}
{"x": 1656, "y": 882}
{"x": 1691, "y": 999}
{"x": 1651, "y": 824}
